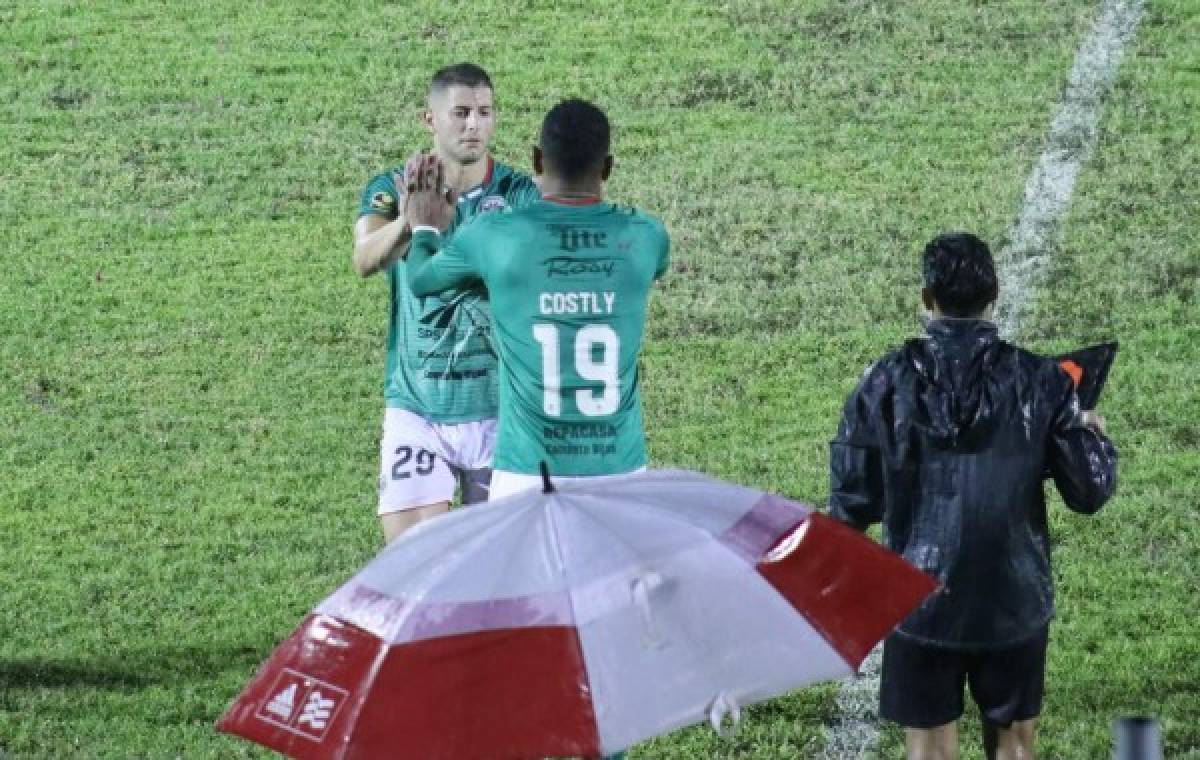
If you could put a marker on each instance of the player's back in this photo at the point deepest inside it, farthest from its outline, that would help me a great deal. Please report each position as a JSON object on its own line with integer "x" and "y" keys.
{"x": 569, "y": 285}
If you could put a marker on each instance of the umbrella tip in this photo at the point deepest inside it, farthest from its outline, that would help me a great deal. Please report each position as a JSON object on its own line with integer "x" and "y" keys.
{"x": 547, "y": 486}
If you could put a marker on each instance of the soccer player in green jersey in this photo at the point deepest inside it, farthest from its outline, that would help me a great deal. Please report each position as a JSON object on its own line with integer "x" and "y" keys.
{"x": 569, "y": 278}
{"x": 441, "y": 376}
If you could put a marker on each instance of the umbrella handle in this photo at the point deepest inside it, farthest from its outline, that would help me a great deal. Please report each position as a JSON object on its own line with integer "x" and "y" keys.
{"x": 547, "y": 485}
{"x": 724, "y": 706}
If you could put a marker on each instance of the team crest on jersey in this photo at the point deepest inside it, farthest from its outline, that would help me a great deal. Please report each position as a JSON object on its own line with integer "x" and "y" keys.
{"x": 493, "y": 203}
{"x": 383, "y": 201}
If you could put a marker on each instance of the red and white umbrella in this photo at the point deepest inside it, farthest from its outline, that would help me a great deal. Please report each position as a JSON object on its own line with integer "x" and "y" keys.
{"x": 577, "y": 623}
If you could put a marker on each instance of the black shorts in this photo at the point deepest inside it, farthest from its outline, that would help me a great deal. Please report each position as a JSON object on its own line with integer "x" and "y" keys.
{"x": 921, "y": 685}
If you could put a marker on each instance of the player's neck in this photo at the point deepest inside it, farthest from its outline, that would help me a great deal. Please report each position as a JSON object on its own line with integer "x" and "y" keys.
{"x": 463, "y": 177}
{"x": 555, "y": 188}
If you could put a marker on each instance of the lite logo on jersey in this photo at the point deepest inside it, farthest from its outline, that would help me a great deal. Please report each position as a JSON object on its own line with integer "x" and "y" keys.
{"x": 572, "y": 238}
{"x": 302, "y": 705}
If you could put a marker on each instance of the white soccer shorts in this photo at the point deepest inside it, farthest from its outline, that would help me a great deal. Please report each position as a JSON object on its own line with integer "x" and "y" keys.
{"x": 505, "y": 483}
{"x": 423, "y": 462}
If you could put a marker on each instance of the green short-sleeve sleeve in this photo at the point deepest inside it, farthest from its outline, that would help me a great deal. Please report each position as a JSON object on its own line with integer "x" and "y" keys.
{"x": 380, "y": 197}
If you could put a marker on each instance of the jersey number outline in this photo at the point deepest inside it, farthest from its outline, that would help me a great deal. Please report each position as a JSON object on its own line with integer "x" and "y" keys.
{"x": 589, "y": 402}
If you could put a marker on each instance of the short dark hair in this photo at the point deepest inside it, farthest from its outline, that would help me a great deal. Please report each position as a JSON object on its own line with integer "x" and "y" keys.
{"x": 574, "y": 138}
{"x": 960, "y": 274}
{"x": 464, "y": 74}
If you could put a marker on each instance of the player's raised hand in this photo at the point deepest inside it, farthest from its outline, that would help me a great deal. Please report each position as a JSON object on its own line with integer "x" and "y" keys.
{"x": 430, "y": 202}
{"x": 407, "y": 182}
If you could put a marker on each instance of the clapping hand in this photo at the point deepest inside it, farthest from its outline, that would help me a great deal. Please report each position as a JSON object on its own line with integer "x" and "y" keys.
{"x": 428, "y": 201}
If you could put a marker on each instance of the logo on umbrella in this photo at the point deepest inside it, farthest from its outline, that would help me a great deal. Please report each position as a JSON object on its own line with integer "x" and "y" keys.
{"x": 318, "y": 701}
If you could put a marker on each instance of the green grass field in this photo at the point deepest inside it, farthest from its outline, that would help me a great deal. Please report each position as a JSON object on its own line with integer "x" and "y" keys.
{"x": 191, "y": 373}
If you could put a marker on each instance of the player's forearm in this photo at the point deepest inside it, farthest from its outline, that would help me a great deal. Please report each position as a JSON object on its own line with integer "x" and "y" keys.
{"x": 856, "y": 488}
{"x": 376, "y": 251}
{"x": 423, "y": 277}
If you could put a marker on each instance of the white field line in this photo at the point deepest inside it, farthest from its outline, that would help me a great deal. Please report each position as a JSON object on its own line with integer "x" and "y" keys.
{"x": 1048, "y": 191}
{"x": 1069, "y": 144}
{"x": 855, "y": 731}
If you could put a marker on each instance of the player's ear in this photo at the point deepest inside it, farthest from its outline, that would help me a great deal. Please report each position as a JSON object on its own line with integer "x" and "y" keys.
{"x": 608, "y": 167}
{"x": 427, "y": 119}
{"x": 927, "y": 299}
{"x": 537, "y": 161}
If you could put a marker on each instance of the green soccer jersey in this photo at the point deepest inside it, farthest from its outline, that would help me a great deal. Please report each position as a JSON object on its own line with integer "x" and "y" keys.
{"x": 441, "y": 363}
{"x": 568, "y": 286}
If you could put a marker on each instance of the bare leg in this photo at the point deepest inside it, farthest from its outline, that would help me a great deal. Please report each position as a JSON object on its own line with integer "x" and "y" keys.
{"x": 1012, "y": 743}
{"x": 395, "y": 523}
{"x": 940, "y": 743}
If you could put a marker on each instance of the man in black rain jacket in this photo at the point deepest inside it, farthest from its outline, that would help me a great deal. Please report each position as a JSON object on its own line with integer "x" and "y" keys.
{"x": 947, "y": 441}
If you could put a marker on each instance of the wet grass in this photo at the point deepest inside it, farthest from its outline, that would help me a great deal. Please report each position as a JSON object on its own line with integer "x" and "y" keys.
{"x": 190, "y": 403}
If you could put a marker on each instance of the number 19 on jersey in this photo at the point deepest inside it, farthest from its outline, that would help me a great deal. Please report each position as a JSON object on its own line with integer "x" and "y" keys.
{"x": 591, "y": 342}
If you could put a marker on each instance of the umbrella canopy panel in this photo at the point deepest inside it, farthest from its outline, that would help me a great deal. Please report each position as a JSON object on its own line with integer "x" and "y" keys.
{"x": 577, "y": 623}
